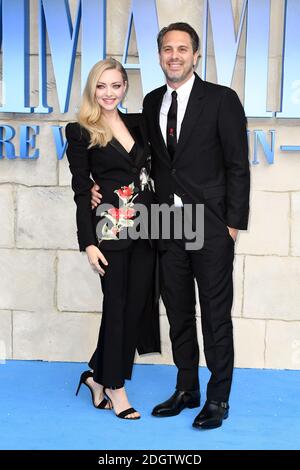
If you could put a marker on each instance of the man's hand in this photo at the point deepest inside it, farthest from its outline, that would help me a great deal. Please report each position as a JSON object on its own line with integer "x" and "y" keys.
{"x": 233, "y": 232}
{"x": 95, "y": 196}
{"x": 94, "y": 254}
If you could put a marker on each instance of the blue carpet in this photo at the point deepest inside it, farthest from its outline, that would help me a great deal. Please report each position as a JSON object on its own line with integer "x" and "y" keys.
{"x": 39, "y": 410}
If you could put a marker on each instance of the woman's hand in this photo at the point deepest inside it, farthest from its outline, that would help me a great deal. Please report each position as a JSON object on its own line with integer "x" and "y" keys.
{"x": 94, "y": 254}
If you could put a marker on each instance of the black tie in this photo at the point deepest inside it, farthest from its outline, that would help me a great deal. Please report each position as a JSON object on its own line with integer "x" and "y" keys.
{"x": 172, "y": 126}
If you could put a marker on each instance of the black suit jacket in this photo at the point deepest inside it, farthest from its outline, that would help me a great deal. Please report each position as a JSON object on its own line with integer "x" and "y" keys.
{"x": 112, "y": 168}
{"x": 211, "y": 164}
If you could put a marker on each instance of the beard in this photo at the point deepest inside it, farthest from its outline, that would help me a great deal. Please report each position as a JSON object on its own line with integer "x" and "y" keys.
{"x": 177, "y": 78}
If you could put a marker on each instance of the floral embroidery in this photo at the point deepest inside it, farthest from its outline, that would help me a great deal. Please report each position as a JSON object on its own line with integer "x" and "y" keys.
{"x": 121, "y": 217}
{"x": 145, "y": 180}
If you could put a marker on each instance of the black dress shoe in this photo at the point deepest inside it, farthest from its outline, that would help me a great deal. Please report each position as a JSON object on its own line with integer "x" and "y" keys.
{"x": 212, "y": 415}
{"x": 178, "y": 401}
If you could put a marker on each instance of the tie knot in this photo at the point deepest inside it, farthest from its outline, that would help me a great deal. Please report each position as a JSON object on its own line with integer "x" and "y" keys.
{"x": 174, "y": 95}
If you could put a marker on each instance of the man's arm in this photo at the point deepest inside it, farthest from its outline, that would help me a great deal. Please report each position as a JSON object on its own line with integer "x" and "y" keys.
{"x": 96, "y": 196}
{"x": 233, "y": 134}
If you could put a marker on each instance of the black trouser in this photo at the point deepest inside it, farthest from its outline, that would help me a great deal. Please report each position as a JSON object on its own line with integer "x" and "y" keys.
{"x": 125, "y": 287}
{"x": 212, "y": 268}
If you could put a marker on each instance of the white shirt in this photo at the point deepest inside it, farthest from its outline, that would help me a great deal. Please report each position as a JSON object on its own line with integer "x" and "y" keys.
{"x": 183, "y": 94}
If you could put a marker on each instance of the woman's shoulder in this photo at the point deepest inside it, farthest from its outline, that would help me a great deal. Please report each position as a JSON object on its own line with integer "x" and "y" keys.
{"x": 134, "y": 118}
{"x": 76, "y": 130}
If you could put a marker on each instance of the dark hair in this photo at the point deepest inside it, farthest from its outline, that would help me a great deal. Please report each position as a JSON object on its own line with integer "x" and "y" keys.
{"x": 179, "y": 27}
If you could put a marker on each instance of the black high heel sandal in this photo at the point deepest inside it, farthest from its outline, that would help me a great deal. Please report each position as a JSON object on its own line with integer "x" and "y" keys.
{"x": 84, "y": 376}
{"x": 123, "y": 413}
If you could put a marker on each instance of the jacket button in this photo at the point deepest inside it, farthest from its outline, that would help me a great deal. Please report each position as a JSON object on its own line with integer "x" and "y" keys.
{"x": 173, "y": 171}
{"x": 134, "y": 170}
{"x": 171, "y": 196}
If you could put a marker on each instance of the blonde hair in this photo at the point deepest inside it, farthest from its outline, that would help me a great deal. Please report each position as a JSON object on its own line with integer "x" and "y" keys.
{"x": 90, "y": 113}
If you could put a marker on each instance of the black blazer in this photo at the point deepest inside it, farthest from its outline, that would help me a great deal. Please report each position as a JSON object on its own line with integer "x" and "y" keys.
{"x": 112, "y": 168}
{"x": 211, "y": 164}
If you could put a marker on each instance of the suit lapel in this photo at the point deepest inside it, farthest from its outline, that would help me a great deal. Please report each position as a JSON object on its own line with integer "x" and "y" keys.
{"x": 120, "y": 149}
{"x": 141, "y": 145}
{"x": 192, "y": 113}
{"x": 136, "y": 135}
{"x": 161, "y": 142}
{"x": 135, "y": 128}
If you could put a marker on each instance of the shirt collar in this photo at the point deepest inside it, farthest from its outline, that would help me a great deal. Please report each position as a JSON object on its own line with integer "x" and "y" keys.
{"x": 183, "y": 92}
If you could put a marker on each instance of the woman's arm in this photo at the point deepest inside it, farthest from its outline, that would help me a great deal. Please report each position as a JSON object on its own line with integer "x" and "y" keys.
{"x": 77, "y": 155}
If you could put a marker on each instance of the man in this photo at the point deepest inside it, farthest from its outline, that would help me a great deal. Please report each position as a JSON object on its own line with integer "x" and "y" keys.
{"x": 198, "y": 137}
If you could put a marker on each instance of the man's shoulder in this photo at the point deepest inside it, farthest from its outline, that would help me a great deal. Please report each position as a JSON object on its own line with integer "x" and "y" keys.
{"x": 222, "y": 94}
{"x": 216, "y": 89}
{"x": 154, "y": 94}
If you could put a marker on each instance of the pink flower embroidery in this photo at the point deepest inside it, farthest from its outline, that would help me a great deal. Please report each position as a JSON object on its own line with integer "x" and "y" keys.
{"x": 126, "y": 213}
{"x": 120, "y": 218}
{"x": 115, "y": 230}
{"x": 125, "y": 192}
{"x": 114, "y": 212}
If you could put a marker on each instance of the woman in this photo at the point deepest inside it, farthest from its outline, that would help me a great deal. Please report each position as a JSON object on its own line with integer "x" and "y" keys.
{"x": 113, "y": 148}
